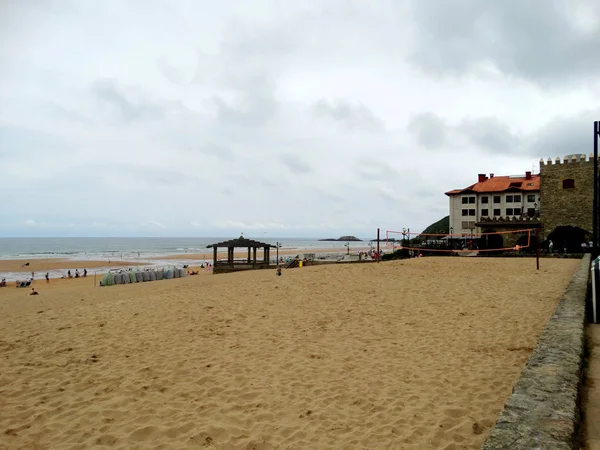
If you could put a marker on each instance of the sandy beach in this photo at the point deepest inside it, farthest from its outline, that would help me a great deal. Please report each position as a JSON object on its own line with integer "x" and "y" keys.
{"x": 415, "y": 354}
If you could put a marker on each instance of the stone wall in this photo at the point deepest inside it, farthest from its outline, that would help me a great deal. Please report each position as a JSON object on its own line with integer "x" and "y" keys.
{"x": 543, "y": 410}
{"x": 561, "y": 207}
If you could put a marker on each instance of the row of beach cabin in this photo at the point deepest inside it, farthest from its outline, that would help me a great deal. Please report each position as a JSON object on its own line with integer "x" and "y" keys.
{"x": 139, "y": 276}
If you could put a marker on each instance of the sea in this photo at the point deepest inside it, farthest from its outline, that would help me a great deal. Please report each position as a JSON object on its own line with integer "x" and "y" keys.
{"x": 145, "y": 250}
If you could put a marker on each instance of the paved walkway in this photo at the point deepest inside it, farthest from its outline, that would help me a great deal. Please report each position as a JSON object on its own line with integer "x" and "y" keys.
{"x": 591, "y": 399}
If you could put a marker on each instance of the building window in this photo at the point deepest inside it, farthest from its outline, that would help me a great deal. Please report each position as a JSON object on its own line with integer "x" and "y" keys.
{"x": 472, "y": 200}
{"x": 465, "y": 212}
{"x": 497, "y": 199}
{"x": 531, "y": 198}
{"x": 517, "y": 211}
{"x": 517, "y": 198}
{"x": 509, "y": 211}
{"x": 509, "y": 199}
{"x": 485, "y": 213}
{"x": 468, "y": 225}
{"x": 471, "y": 212}
{"x": 465, "y": 200}
{"x": 484, "y": 199}
{"x": 569, "y": 183}
{"x": 496, "y": 212}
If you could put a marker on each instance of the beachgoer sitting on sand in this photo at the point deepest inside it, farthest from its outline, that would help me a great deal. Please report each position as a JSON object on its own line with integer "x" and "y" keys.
{"x": 278, "y": 271}
{"x": 25, "y": 265}
{"x": 76, "y": 273}
{"x": 3, "y": 282}
{"x": 69, "y": 274}
{"x": 33, "y": 292}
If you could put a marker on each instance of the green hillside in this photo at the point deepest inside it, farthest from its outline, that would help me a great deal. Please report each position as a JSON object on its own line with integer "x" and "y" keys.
{"x": 442, "y": 226}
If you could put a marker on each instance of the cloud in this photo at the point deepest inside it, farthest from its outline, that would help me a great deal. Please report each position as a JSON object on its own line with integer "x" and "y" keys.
{"x": 429, "y": 129}
{"x": 485, "y": 134}
{"x": 295, "y": 164}
{"x": 30, "y": 222}
{"x": 336, "y": 115}
{"x": 545, "y": 44}
{"x": 357, "y": 116}
{"x": 560, "y": 135}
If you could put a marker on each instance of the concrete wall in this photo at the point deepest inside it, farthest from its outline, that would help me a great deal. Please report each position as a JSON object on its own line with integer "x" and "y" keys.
{"x": 543, "y": 411}
{"x": 560, "y": 207}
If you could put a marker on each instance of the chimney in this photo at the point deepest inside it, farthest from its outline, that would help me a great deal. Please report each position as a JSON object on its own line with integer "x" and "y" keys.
{"x": 528, "y": 175}
{"x": 491, "y": 175}
{"x": 481, "y": 177}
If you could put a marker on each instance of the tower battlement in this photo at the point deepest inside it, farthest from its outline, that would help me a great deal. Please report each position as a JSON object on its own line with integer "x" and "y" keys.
{"x": 571, "y": 159}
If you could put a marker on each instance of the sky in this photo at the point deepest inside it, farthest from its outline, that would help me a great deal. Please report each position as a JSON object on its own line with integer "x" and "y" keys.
{"x": 200, "y": 118}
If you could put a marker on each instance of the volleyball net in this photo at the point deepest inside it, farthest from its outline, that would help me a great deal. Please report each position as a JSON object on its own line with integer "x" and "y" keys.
{"x": 514, "y": 240}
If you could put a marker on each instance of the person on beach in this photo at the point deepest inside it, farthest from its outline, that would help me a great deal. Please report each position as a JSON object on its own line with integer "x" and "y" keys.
{"x": 278, "y": 271}
{"x": 69, "y": 274}
{"x": 84, "y": 273}
{"x": 33, "y": 292}
{"x": 47, "y": 277}
{"x": 76, "y": 273}
{"x": 25, "y": 265}
{"x": 3, "y": 282}
{"x": 32, "y": 275}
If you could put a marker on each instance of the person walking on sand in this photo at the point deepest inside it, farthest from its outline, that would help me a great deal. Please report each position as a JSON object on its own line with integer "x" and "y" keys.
{"x": 84, "y": 273}
{"x": 47, "y": 277}
{"x": 76, "y": 273}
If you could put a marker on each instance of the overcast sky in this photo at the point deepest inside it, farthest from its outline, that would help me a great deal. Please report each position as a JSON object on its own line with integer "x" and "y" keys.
{"x": 191, "y": 118}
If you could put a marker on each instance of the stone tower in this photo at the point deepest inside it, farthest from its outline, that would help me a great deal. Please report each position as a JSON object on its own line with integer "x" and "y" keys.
{"x": 567, "y": 193}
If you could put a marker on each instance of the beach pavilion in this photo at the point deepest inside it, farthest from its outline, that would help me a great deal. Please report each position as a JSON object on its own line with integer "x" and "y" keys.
{"x": 231, "y": 264}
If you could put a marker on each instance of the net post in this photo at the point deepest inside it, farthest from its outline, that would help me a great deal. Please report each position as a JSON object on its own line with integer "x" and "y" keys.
{"x": 537, "y": 248}
{"x": 378, "y": 258}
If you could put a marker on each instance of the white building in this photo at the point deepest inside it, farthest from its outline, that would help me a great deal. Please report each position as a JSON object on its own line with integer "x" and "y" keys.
{"x": 493, "y": 198}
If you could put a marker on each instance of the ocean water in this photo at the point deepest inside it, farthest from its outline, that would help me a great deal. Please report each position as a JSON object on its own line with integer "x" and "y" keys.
{"x": 145, "y": 252}
{"x": 136, "y": 248}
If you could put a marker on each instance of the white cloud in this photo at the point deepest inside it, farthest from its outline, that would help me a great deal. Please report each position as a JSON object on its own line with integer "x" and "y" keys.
{"x": 282, "y": 118}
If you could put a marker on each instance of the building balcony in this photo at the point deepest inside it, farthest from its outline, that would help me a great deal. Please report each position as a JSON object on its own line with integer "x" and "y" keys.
{"x": 524, "y": 221}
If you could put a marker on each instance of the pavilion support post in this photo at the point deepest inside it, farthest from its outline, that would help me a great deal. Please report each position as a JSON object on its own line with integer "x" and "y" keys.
{"x": 249, "y": 255}
{"x": 254, "y": 260}
{"x": 214, "y": 255}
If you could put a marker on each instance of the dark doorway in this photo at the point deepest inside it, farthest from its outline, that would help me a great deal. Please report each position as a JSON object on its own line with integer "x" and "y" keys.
{"x": 569, "y": 238}
{"x": 492, "y": 241}
{"x": 527, "y": 242}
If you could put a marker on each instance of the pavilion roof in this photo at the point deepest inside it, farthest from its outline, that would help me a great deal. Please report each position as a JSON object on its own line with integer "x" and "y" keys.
{"x": 241, "y": 242}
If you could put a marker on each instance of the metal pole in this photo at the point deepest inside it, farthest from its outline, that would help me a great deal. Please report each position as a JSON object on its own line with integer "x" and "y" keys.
{"x": 595, "y": 224}
{"x": 277, "y": 244}
{"x": 378, "y": 245}
{"x": 537, "y": 248}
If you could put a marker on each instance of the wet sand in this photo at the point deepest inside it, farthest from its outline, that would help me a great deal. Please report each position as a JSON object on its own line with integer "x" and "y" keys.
{"x": 43, "y": 265}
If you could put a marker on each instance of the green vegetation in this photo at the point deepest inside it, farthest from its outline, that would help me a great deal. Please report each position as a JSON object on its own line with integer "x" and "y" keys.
{"x": 442, "y": 226}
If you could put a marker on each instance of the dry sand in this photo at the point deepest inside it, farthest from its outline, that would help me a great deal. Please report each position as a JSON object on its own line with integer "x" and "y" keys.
{"x": 418, "y": 354}
{"x": 43, "y": 265}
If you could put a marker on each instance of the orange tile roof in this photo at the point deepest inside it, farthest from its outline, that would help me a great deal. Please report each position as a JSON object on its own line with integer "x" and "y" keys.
{"x": 501, "y": 184}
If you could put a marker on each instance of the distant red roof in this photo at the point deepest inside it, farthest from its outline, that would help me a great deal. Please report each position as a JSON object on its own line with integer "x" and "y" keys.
{"x": 501, "y": 184}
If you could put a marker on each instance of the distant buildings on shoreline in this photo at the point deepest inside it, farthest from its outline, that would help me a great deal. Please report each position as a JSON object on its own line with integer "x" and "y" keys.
{"x": 558, "y": 201}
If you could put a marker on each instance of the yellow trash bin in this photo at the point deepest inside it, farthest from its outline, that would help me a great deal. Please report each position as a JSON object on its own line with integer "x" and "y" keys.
{"x": 300, "y": 264}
